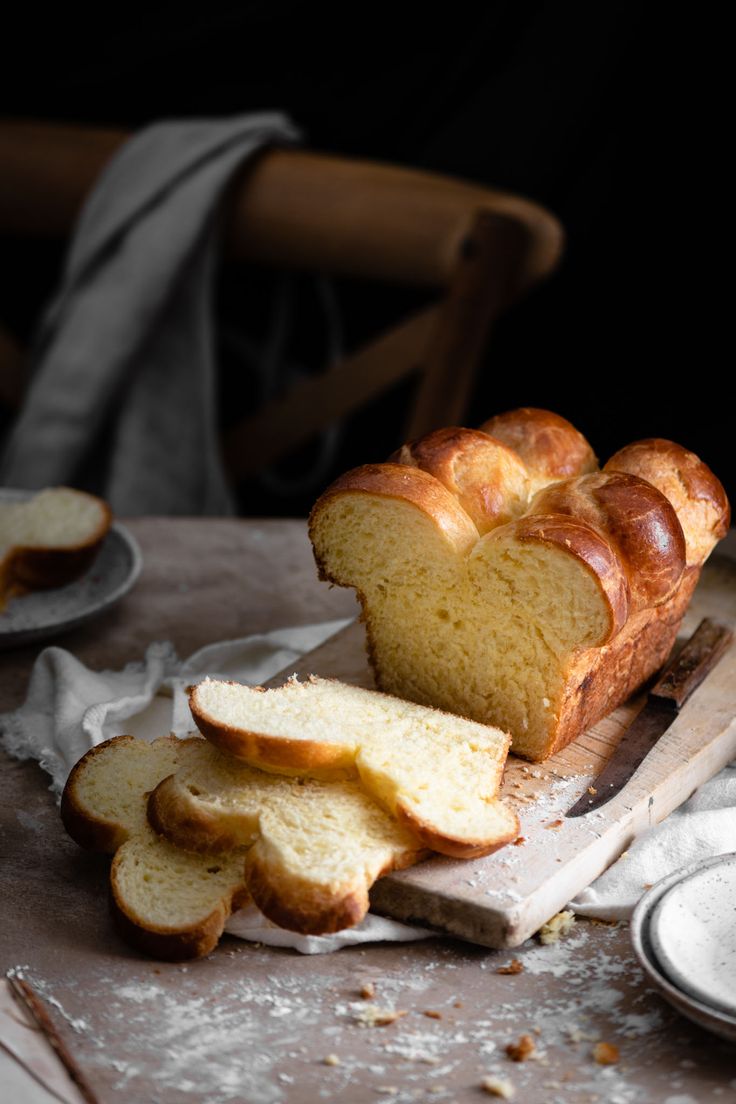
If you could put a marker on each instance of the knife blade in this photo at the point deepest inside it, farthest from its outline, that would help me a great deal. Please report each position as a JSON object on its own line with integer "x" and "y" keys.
{"x": 679, "y": 679}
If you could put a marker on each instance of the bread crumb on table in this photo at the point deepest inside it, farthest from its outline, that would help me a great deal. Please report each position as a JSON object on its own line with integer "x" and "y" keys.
{"x": 373, "y": 1016}
{"x": 606, "y": 1054}
{"x": 497, "y": 1086}
{"x": 557, "y": 926}
{"x": 521, "y": 1051}
{"x": 432, "y": 1013}
{"x": 331, "y": 1060}
{"x": 519, "y": 841}
{"x": 367, "y": 990}
{"x": 577, "y": 1035}
{"x": 515, "y": 966}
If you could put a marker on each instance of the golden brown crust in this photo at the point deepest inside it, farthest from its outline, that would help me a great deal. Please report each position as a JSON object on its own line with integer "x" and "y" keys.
{"x": 547, "y": 443}
{"x": 168, "y": 943}
{"x": 487, "y": 478}
{"x": 89, "y": 830}
{"x": 576, "y": 538}
{"x": 635, "y": 518}
{"x": 279, "y": 753}
{"x": 601, "y": 679}
{"x": 694, "y": 491}
{"x": 299, "y": 908}
{"x": 410, "y": 485}
{"x": 175, "y": 814}
{"x": 457, "y": 848}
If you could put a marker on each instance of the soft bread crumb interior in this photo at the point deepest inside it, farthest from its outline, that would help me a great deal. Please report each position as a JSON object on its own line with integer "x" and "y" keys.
{"x": 487, "y": 635}
{"x": 443, "y": 769}
{"x": 166, "y": 888}
{"x": 113, "y": 784}
{"x": 327, "y": 832}
{"x": 56, "y": 517}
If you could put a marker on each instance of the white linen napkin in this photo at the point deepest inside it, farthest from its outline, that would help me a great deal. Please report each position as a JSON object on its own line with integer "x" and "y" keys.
{"x": 70, "y": 709}
{"x": 703, "y": 827}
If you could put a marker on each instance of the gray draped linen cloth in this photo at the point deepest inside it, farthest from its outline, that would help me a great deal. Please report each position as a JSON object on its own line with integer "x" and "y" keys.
{"x": 123, "y": 397}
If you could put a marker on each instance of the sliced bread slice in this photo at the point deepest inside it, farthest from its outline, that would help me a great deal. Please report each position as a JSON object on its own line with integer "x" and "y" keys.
{"x": 316, "y": 846}
{"x": 439, "y": 774}
{"x": 50, "y": 539}
{"x": 170, "y": 903}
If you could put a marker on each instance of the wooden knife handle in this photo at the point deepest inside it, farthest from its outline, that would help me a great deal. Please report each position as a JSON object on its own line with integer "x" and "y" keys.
{"x": 698, "y": 656}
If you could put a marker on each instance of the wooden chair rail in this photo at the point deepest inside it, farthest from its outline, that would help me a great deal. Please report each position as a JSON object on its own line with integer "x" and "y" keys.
{"x": 290, "y": 208}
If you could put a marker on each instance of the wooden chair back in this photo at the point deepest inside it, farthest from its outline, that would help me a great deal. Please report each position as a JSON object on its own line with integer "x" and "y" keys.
{"x": 479, "y": 248}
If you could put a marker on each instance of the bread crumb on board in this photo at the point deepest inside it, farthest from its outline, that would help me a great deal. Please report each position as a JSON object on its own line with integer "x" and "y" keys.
{"x": 432, "y": 1014}
{"x": 557, "y": 926}
{"x": 331, "y": 1060}
{"x": 515, "y": 966}
{"x": 497, "y": 1086}
{"x": 521, "y": 1051}
{"x": 373, "y": 1016}
{"x": 367, "y": 990}
{"x": 606, "y": 1054}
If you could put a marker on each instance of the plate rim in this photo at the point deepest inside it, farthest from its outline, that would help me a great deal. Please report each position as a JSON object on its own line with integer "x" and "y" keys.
{"x": 720, "y": 1022}
{"x": 669, "y": 967}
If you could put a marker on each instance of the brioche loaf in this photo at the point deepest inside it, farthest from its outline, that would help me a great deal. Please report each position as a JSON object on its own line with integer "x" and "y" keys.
{"x": 170, "y": 903}
{"x": 50, "y": 539}
{"x": 437, "y": 774}
{"x": 537, "y": 610}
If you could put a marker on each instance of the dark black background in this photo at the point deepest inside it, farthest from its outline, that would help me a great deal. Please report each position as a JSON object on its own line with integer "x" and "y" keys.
{"x": 591, "y": 109}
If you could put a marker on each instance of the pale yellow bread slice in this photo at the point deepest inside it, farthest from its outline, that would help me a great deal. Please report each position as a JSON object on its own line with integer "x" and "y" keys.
{"x": 439, "y": 774}
{"x": 50, "y": 539}
{"x": 170, "y": 903}
{"x": 316, "y": 846}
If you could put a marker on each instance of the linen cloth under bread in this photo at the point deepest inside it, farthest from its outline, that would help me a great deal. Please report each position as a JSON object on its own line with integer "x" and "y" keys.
{"x": 70, "y": 708}
{"x": 125, "y": 355}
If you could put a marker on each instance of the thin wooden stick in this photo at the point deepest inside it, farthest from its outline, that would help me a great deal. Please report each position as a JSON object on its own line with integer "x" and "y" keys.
{"x": 29, "y": 998}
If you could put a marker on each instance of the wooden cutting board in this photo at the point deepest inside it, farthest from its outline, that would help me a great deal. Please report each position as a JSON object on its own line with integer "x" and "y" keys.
{"x": 501, "y": 900}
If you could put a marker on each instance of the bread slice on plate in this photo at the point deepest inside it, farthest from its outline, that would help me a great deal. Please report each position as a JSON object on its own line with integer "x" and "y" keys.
{"x": 50, "y": 539}
{"x": 438, "y": 774}
{"x": 315, "y": 846}
{"x": 170, "y": 903}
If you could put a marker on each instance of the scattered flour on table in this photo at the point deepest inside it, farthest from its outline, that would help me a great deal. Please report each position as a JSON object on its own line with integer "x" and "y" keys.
{"x": 191, "y": 1036}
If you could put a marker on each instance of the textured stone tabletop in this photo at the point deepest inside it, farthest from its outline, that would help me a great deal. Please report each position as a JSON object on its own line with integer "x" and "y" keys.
{"x": 252, "y": 1024}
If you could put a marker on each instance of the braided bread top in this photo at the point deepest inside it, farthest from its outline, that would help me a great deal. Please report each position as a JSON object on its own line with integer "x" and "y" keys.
{"x": 655, "y": 510}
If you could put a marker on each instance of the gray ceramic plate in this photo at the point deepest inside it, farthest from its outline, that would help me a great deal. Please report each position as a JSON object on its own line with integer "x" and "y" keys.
{"x": 702, "y": 1014}
{"x": 45, "y": 613}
